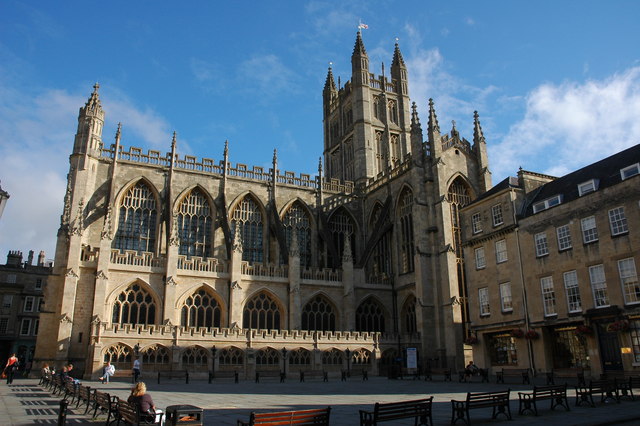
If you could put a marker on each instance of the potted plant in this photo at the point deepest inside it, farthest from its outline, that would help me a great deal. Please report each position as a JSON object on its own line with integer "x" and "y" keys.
{"x": 471, "y": 340}
{"x": 621, "y": 325}
{"x": 584, "y": 329}
{"x": 531, "y": 335}
{"x": 517, "y": 333}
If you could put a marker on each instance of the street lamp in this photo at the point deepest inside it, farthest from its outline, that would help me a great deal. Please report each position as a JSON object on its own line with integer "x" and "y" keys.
{"x": 4, "y": 196}
{"x": 347, "y": 352}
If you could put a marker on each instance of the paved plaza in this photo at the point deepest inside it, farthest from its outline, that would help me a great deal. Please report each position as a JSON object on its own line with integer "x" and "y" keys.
{"x": 26, "y": 403}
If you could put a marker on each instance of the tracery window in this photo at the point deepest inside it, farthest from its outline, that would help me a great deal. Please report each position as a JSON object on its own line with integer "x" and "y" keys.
{"x": 406, "y": 231}
{"x": 348, "y": 160}
{"x": 134, "y": 306}
{"x": 247, "y": 217}
{"x": 119, "y": 355}
{"x": 360, "y": 357}
{"x": 195, "y": 356}
{"x": 194, "y": 225}
{"x": 394, "y": 141}
{"x": 332, "y": 357}
{"x": 409, "y": 316}
{"x": 318, "y": 315}
{"x": 370, "y": 316}
{"x": 341, "y": 226}
{"x": 231, "y": 356}
{"x": 379, "y": 265}
{"x": 299, "y": 357}
{"x": 380, "y": 153}
{"x": 267, "y": 356}
{"x": 137, "y": 220}
{"x": 155, "y": 356}
{"x": 201, "y": 309}
{"x": 376, "y": 107}
{"x": 261, "y": 312}
{"x": 297, "y": 218}
{"x": 393, "y": 111}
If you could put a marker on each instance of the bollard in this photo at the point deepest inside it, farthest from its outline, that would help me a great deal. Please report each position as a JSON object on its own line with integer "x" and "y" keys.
{"x": 186, "y": 374}
{"x": 210, "y": 376}
{"x": 62, "y": 415}
{"x": 158, "y": 377}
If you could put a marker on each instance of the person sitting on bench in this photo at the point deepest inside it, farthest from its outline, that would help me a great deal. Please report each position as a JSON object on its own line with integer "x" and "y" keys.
{"x": 109, "y": 370}
{"x": 470, "y": 370}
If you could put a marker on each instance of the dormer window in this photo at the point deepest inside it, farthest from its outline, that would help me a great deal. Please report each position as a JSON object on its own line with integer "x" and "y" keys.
{"x": 588, "y": 186}
{"x": 547, "y": 204}
{"x": 629, "y": 171}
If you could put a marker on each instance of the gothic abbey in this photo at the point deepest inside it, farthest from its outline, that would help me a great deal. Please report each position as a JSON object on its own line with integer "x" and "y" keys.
{"x": 205, "y": 265}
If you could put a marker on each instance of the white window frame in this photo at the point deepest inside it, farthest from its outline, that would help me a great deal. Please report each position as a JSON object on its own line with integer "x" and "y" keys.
{"x": 618, "y": 221}
{"x": 481, "y": 260}
{"x": 556, "y": 200}
{"x": 476, "y": 223}
{"x": 29, "y": 302}
{"x": 563, "y": 233}
{"x": 25, "y": 322}
{"x": 572, "y": 291}
{"x": 4, "y": 325}
{"x": 629, "y": 280}
{"x": 598, "y": 282}
{"x": 548, "y": 296}
{"x": 7, "y": 301}
{"x": 542, "y": 246}
{"x": 501, "y": 251}
{"x": 38, "y": 285}
{"x": 496, "y": 215}
{"x": 589, "y": 235}
{"x": 629, "y": 171}
{"x": 588, "y": 187}
{"x": 483, "y": 301}
{"x": 506, "y": 300}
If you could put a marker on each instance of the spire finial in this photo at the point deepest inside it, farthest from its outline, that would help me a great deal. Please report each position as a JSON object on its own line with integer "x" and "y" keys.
{"x": 415, "y": 120}
{"x": 320, "y": 166}
{"x": 398, "y": 60}
{"x": 433, "y": 118}
{"x": 478, "y": 135}
{"x": 96, "y": 87}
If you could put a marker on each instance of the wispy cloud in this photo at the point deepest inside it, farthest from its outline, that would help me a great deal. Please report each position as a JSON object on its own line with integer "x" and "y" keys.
{"x": 266, "y": 75}
{"x": 571, "y": 124}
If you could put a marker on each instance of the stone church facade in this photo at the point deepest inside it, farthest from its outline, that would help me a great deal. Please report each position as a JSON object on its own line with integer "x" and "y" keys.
{"x": 202, "y": 265}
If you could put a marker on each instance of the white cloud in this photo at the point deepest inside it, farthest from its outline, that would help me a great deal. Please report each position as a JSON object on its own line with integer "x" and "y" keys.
{"x": 569, "y": 125}
{"x": 266, "y": 75}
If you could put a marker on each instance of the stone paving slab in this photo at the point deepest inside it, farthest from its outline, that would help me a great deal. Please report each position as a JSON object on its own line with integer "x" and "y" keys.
{"x": 26, "y": 403}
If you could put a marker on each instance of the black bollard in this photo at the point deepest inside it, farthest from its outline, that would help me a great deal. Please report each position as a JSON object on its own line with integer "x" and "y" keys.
{"x": 62, "y": 415}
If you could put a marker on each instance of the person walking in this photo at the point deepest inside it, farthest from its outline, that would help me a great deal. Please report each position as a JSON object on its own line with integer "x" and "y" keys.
{"x": 136, "y": 370}
{"x": 11, "y": 367}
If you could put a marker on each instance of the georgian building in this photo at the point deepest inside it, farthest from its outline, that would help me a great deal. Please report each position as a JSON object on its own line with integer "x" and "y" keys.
{"x": 551, "y": 266}
{"x": 197, "y": 264}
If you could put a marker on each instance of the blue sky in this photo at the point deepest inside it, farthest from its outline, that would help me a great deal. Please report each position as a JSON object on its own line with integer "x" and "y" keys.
{"x": 556, "y": 83}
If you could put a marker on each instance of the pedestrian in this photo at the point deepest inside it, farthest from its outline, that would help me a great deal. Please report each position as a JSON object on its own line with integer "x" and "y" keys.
{"x": 136, "y": 370}
{"x": 11, "y": 367}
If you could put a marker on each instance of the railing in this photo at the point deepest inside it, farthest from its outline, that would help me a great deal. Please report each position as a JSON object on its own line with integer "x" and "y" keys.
{"x": 321, "y": 274}
{"x": 199, "y": 264}
{"x": 134, "y": 258}
{"x": 336, "y": 186}
{"x": 264, "y": 270}
{"x": 303, "y": 180}
{"x": 87, "y": 254}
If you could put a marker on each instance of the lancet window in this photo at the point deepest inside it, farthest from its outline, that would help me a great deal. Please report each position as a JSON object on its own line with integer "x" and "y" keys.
{"x": 201, "y": 309}
{"x": 137, "y": 219}
{"x": 348, "y": 160}
{"x": 194, "y": 225}
{"x": 318, "y": 315}
{"x": 406, "y": 231}
{"x": 299, "y": 357}
{"x": 195, "y": 356}
{"x": 381, "y": 153}
{"x": 134, "y": 306}
{"x": 370, "y": 316}
{"x": 379, "y": 269}
{"x": 261, "y": 312}
{"x": 341, "y": 227}
{"x": 247, "y": 217}
{"x": 361, "y": 357}
{"x": 155, "y": 356}
{"x": 119, "y": 355}
{"x": 409, "y": 316}
{"x": 297, "y": 218}
{"x": 231, "y": 356}
{"x": 332, "y": 357}
{"x": 392, "y": 107}
{"x": 394, "y": 141}
{"x": 268, "y": 356}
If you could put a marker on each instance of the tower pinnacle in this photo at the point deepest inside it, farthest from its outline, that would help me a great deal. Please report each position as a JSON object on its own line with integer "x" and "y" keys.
{"x": 433, "y": 118}
{"x": 478, "y": 136}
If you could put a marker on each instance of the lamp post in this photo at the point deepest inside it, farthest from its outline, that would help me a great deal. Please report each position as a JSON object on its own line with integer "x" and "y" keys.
{"x": 213, "y": 357}
{"x": 284, "y": 360}
{"x": 4, "y": 196}
{"x": 347, "y": 352}
{"x": 136, "y": 350}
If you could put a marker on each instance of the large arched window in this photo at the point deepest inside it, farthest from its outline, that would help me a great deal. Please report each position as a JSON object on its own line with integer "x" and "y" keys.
{"x": 155, "y": 357}
{"x": 297, "y": 218}
{"x": 299, "y": 357}
{"x": 332, "y": 357}
{"x": 247, "y": 217}
{"x": 194, "y": 225}
{"x": 134, "y": 306}
{"x": 119, "y": 355}
{"x": 409, "y": 316}
{"x": 318, "y": 315}
{"x": 231, "y": 356}
{"x": 137, "y": 220}
{"x": 379, "y": 265}
{"x": 261, "y": 312}
{"x": 406, "y": 230}
{"x": 195, "y": 357}
{"x": 341, "y": 226}
{"x": 267, "y": 357}
{"x": 201, "y": 309}
{"x": 370, "y": 316}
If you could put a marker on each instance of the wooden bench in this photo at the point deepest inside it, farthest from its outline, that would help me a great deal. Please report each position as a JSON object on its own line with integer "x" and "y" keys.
{"x": 556, "y": 393}
{"x": 131, "y": 415}
{"x": 445, "y": 372}
{"x": 499, "y": 401}
{"x": 418, "y": 409}
{"x": 606, "y": 388}
{"x": 266, "y": 374}
{"x": 70, "y": 391}
{"x": 513, "y": 372}
{"x": 314, "y": 374}
{"x": 362, "y": 372}
{"x": 483, "y": 373}
{"x": 316, "y": 417}
{"x": 85, "y": 396}
{"x": 58, "y": 386}
{"x": 106, "y": 404}
{"x": 217, "y": 375}
{"x": 174, "y": 375}
{"x": 409, "y": 372}
{"x": 625, "y": 382}
{"x": 555, "y": 373}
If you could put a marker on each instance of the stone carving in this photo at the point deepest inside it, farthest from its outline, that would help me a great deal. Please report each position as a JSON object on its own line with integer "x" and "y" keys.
{"x": 235, "y": 286}
{"x": 347, "y": 256}
{"x": 101, "y": 275}
{"x": 106, "y": 227}
{"x": 294, "y": 250}
{"x": 71, "y": 273}
{"x": 78, "y": 225}
{"x": 237, "y": 240}
{"x": 171, "y": 281}
{"x": 64, "y": 318}
{"x": 174, "y": 238}
{"x": 96, "y": 319}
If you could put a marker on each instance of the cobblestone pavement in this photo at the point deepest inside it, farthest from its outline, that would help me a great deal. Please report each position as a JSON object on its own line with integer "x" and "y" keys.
{"x": 26, "y": 403}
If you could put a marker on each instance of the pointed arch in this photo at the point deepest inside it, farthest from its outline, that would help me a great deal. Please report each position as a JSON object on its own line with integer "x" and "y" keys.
{"x": 263, "y": 311}
{"x": 135, "y": 304}
{"x": 231, "y": 356}
{"x": 137, "y": 217}
{"x": 248, "y": 215}
{"x": 408, "y": 315}
{"x": 370, "y": 316}
{"x": 267, "y": 357}
{"x": 405, "y": 226}
{"x": 319, "y": 314}
{"x": 155, "y": 357}
{"x": 298, "y": 216}
{"x": 195, "y": 214}
{"x": 300, "y": 357}
{"x": 332, "y": 356}
{"x": 379, "y": 267}
{"x": 195, "y": 357}
{"x": 203, "y": 307}
{"x": 119, "y": 354}
{"x": 342, "y": 225}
